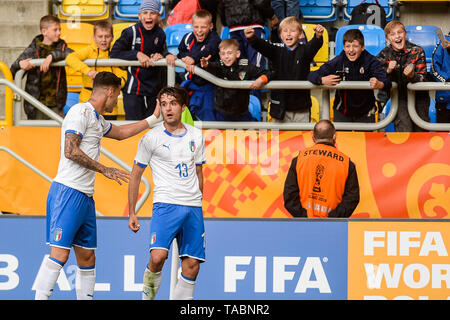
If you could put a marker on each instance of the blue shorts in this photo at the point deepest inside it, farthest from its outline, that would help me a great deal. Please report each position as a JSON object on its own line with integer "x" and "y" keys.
{"x": 71, "y": 218}
{"x": 183, "y": 222}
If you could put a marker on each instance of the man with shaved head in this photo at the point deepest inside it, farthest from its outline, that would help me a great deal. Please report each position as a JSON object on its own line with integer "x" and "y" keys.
{"x": 322, "y": 181}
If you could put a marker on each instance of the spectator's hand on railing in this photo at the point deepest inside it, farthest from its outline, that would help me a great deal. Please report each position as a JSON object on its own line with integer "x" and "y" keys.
{"x": 144, "y": 59}
{"x": 170, "y": 59}
{"x": 45, "y": 66}
{"x": 155, "y": 57}
{"x": 319, "y": 29}
{"x": 376, "y": 84}
{"x": 257, "y": 84}
{"x": 25, "y": 64}
{"x": 249, "y": 33}
{"x": 331, "y": 80}
{"x": 204, "y": 61}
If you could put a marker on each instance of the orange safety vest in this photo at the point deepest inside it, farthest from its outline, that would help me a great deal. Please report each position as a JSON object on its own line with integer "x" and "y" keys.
{"x": 322, "y": 171}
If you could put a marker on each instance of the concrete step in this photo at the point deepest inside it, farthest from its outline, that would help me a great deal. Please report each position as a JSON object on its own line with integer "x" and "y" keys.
{"x": 23, "y": 10}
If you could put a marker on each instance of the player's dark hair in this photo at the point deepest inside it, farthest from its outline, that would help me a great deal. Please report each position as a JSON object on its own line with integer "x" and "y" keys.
{"x": 180, "y": 94}
{"x": 324, "y": 130}
{"x": 106, "y": 79}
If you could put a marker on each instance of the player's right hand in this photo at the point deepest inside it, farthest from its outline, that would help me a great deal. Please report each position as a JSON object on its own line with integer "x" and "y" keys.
{"x": 133, "y": 223}
{"x": 117, "y": 175}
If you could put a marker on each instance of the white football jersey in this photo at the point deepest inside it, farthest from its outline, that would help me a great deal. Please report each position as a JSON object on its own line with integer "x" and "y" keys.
{"x": 83, "y": 120}
{"x": 173, "y": 160}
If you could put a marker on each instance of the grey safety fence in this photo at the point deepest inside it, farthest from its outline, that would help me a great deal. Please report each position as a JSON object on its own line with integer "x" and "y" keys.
{"x": 324, "y": 107}
{"x": 58, "y": 120}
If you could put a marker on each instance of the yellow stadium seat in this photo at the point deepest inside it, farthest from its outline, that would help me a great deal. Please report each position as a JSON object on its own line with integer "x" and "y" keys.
{"x": 118, "y": 28}
{"x": 120, "y": 110}
{"x": 324, "y": 52}
{"x": 315, "y": 112}
{"x": 77, "y": 36}
{"x": 83, "y": 10}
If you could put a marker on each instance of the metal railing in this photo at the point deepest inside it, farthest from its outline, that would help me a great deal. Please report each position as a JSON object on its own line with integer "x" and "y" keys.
{"x": 8, "y": 96}
{"x": 58, "y": 119}
{"x": 324, "y": 107}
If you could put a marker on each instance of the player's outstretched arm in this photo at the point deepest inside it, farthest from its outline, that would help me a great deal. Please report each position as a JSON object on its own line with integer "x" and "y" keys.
{"x": 73, "y": 152}
{"x": 132, "y": 129}
{"x": 133, "y": 191}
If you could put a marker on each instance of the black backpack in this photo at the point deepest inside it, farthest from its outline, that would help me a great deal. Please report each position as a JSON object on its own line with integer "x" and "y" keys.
{"x": 369, "y": 13}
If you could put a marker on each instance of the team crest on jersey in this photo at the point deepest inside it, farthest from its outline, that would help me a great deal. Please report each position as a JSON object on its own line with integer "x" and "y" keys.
{"x": 242, "y": 75}
{"x": 156, "y": 41}
{"x": 361, "y": 71}
{"x": 138, "y": 40}
{"x": 58, "y": 234}
{"x": 153, "y": 238}
{"x": 192, "y": 145}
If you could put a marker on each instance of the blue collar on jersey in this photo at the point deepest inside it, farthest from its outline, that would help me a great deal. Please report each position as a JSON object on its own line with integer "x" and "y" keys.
{"x": 176, "y": 135}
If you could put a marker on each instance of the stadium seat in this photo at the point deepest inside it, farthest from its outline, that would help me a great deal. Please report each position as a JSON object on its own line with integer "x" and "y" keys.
{"x": 322, "y": 55}
{"x": 319, "y": 10}
{"x": 129, "y": 9}
{"x": 431, "y": 114}
{"x": 350, "y": 4}
{"x": 315, "y": 111}
{"x": 174, "y": 34}
{"x": 374, "y": 38}
{"x": 83, "y": 10}
{"x": 424, "y": 36}
{"x": 77, "y": 36}
{"x": 118, "y": 28}
{"x": 72, "y": 99}
{"x": 255, "y": 107}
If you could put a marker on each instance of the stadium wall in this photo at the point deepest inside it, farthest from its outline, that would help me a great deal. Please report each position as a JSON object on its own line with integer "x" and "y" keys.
{"x": 248, "y": 259}
{"x": 401, "y": 175}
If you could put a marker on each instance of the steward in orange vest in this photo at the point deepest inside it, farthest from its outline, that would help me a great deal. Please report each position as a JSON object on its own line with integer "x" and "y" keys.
{"x": 322, "y": 181}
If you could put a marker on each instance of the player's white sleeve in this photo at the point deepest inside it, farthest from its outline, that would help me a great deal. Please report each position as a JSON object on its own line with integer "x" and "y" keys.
{"x": 200, "y": 155}
{"x": 76, "y": 121}
{"x": 144, "y": 153}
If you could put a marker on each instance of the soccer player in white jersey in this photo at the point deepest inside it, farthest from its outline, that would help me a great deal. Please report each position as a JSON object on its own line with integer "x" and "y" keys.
{"x": 71, "y": 220}
{"x": 175, "y": 152}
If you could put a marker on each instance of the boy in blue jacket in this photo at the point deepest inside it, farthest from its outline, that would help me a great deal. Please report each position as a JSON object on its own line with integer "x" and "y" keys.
{"x": 145, "y": 41}
{"x": 353, "y": 64}
{"x": 440, "y": 70}
{"x": 200, "y": 43}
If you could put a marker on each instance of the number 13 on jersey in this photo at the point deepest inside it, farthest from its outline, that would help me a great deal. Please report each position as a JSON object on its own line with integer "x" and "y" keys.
{"x": 182, "y": 170}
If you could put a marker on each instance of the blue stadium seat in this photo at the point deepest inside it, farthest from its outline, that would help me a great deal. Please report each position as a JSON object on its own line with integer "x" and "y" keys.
{"x": 348, "y": 9}
{"x": 129, "y": 9}
{"x": 431, "y": 114}
{"x": 72, "y": 99}
{"x": 374, "y": 38}
{"x": 174, "y": 34}
{"x": 424, "y": 36}
{"x": 318, "y": 10}
{"x": 255, "y": 107}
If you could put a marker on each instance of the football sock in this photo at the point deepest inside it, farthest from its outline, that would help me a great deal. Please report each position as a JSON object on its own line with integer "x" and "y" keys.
{"x": 85, "y": 283}
{"x": 152, "y": 281}
{"x": 46, "y": 279}
{"x": 184, "y": 290}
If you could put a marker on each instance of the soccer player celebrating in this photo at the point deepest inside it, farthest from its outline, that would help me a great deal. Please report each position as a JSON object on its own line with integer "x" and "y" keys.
{"x": 70, "y": 205}
{"x": 176, "y": 153}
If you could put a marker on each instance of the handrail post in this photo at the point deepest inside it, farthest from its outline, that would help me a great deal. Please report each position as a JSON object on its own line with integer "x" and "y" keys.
{"x": 9, "y": 96}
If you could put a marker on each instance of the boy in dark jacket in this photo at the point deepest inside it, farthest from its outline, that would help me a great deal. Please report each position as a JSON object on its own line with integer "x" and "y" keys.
{"x": 145, "y": 41}
{"x": 48, "y": 85}
{"x": 290, "y": 61}
{"x": 440, "y": 70}
{"x": 241, "y": 14}
{"x": 353, "y": 64}
{"x": 200, "y": 43}
{"x": 405, "y": 62}
{"x": 232, "y": 104}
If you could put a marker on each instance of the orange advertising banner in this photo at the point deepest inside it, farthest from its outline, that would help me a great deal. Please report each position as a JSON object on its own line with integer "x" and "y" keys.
{"x": 398, "y": 260}
{"x": 401, "y": 175}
